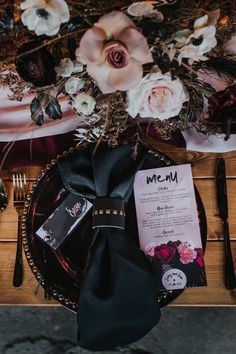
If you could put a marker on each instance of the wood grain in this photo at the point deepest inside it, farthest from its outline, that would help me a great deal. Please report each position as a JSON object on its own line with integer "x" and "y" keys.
{"x": 205, "y": 186}
{"x": 10, "y": 295}
{"x": 212, "y": 295}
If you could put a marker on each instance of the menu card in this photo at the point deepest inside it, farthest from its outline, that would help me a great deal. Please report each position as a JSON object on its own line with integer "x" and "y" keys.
{"x": 168, "y": 225}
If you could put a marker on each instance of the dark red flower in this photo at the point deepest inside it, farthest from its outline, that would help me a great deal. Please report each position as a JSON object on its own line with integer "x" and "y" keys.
{"x": 199, "y": 258}
{"x": 165, "y": 253}
{"x": 174, "y": 243}
{"x": 37, "y": 67}
{"x": 222, "y": 110}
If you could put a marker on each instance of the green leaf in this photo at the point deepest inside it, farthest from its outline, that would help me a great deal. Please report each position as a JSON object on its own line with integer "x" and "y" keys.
{"x": 53, "y": 109}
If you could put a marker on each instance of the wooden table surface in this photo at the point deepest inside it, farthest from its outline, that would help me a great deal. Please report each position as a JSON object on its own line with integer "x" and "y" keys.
{"x": 203, "y": 168}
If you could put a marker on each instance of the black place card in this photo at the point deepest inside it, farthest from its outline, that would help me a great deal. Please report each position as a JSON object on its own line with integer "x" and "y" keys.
{"x": 63, "y": 220}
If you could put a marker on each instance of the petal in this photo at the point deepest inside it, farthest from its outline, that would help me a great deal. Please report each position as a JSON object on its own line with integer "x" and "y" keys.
{"x": 48, "y": 26}
{"x": 53, "y": 19}
{"x": 91, "y": 44}
{"x": 127, "y": 77}
{"x": 208, "y": 31}
{"x": 101, "y": 75}
{"x": 182, "y": 36}
{"x": 41, "y": 27}
{"x": 52, "y": 31}
{"x": 60, "y": 7}
{"x": 207, "y": 45}
{"x": 29, "y": 18}
{"x": 213, "y": 17}
{"x": 136, "y": 44}
{"x": 114, "y": 23}
{"x": 200, "y": 22}
{"x": 32, "y": 3}
{"x": 133, "y": 108}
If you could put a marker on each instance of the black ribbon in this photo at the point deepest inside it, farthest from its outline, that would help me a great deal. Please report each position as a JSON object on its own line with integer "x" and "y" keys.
{"x": 118, "y": 298}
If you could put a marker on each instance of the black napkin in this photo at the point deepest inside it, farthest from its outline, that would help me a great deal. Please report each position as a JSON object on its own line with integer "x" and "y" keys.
{"x": 118, "y": 298}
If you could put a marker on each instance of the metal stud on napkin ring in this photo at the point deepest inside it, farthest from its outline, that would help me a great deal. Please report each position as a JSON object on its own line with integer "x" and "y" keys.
{"x": 109, "y": 212}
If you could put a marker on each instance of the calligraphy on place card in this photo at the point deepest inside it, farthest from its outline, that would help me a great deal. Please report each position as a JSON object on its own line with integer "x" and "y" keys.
{"x": 168, "y": 225}
{"x": 63, "y": 220}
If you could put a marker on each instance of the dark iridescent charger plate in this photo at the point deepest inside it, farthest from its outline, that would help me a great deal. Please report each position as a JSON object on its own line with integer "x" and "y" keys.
{"x": 60, "y": 272}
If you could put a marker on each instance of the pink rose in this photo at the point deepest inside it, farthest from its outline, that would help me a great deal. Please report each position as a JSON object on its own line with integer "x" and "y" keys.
{"x": 157, "y": 96}
{"x": 187, "y": 254}
{"x": 114, "y": 51}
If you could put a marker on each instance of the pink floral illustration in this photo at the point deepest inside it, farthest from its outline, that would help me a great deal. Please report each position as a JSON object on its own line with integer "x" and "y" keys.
{"x": 157, "y": 96}
{"x": 187, "y": 254}
{"x": 114, "y": 51}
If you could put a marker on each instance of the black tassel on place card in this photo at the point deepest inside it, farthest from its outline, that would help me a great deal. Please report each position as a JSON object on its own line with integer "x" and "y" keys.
{"x": 118, "y": 297}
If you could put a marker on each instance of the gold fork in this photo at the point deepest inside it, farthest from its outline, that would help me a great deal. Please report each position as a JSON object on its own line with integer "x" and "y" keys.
{"x": 19, "y": 199}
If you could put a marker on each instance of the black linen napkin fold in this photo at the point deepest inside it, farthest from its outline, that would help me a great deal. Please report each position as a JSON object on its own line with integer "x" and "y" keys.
{"x": 118, "y": 297}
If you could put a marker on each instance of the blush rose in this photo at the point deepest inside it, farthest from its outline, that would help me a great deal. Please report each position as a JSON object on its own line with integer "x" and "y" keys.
{"x": 157, "y": 96}
{"x": 114, "y": 51}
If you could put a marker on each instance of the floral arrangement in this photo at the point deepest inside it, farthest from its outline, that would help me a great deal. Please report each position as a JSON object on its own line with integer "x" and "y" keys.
{"x": 172, "y": 252}
{"x": 166, "y": 64}
{"x": 181, "y": 255}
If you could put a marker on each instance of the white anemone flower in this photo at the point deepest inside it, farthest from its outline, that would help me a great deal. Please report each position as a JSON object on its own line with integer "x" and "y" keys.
{"x": 194, "y": 44}
{"x": 44, "y": 16}
{"x": 203, "y": 37}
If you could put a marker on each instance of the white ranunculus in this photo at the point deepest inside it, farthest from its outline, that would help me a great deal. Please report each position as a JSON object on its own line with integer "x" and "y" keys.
{"x": 84, "y": 104}
{"x": 44, "y": 16}
{"x": 73, "y": 85}
{"x": 157, "y": 96}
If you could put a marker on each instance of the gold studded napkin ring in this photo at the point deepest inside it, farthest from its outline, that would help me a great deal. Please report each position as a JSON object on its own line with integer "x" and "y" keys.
{"x": 109, "y": 212}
